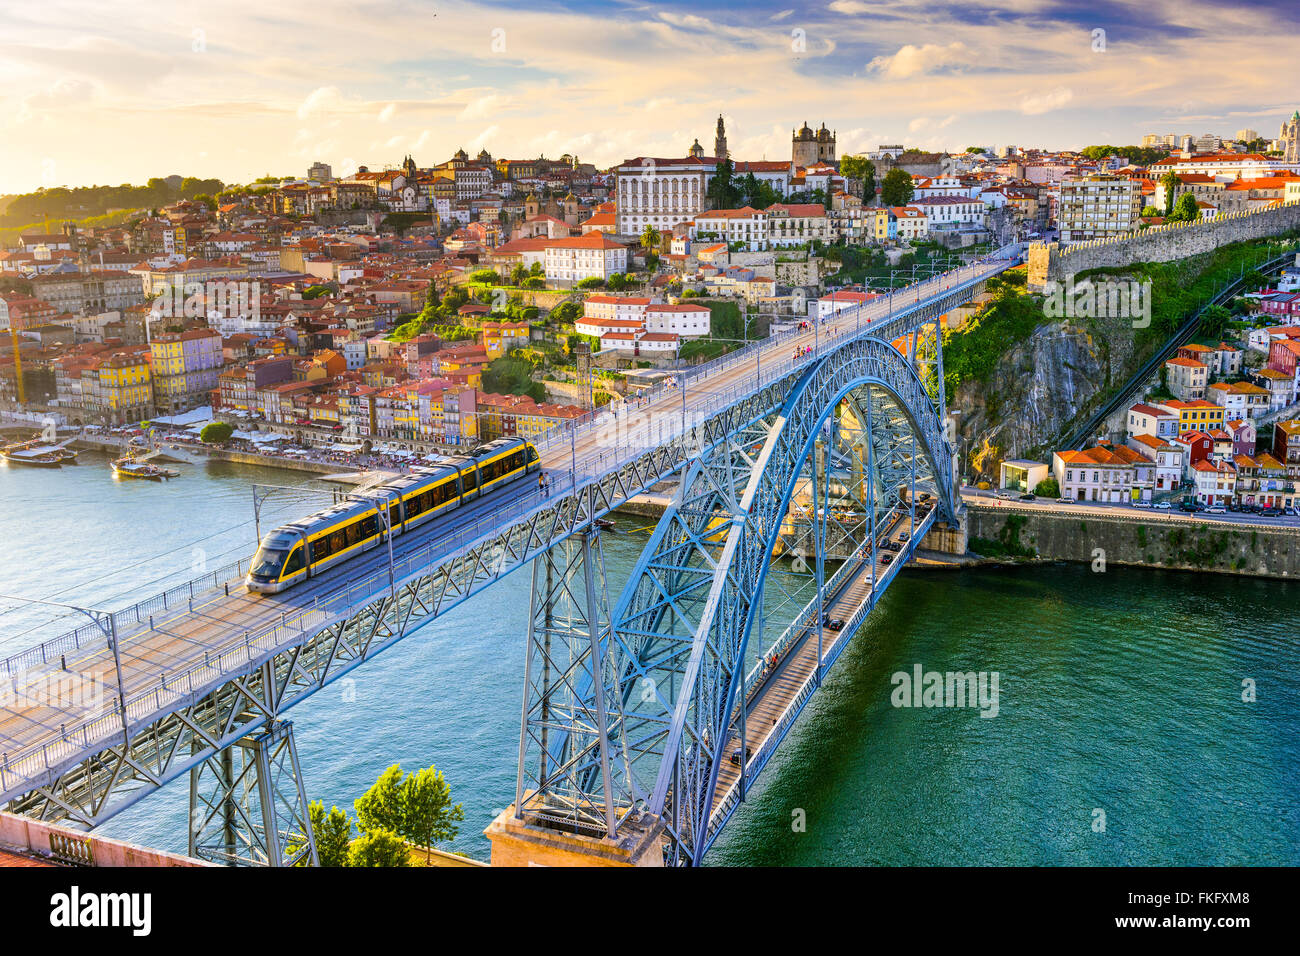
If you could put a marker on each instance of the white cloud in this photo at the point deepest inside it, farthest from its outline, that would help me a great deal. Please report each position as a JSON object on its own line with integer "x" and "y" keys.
{"x": 1034, "y": 105}
{"x": 912, "y": 60}
{"x": 387, "y": 112}
{"x": 320, "y": 100}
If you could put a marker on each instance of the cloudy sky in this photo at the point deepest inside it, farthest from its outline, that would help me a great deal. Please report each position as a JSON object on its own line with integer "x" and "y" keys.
{"x": 95, "y": 92}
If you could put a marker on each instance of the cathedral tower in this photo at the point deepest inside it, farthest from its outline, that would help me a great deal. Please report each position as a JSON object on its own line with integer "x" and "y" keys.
{"x": 720, "y": 141}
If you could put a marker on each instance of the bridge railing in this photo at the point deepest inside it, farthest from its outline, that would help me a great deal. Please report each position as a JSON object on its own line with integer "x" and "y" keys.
{"x": 182, "y": 596}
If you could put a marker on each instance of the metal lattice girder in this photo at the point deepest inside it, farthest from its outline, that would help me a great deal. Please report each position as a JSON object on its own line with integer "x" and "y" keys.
{"x": 682, "y": 623}
{"x": 248, "y": 806}
{"x": 569, "y": 772}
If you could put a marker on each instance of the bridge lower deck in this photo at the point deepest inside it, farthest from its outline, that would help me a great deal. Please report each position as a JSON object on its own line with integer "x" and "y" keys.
{"x": 791, "y": 681}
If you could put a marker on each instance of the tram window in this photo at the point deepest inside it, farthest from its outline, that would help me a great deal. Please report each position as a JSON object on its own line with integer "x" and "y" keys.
{"x": 369, "y": 525}
{"x": 394, "y": 515}
{"x": 294, "y": 563}
{"x": 469, "y": 479}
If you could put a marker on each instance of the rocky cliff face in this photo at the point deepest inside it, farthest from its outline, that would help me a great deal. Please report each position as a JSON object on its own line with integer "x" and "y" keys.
{"x": 1040, "y": 388}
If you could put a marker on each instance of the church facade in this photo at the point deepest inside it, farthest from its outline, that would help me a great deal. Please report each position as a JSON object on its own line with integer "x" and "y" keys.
{"x": 1290, "y": 139}
{"x": 808, "y": 148}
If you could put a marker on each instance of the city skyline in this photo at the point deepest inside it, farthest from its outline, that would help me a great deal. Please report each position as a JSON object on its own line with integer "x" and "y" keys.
{"x": 244, "y": 92}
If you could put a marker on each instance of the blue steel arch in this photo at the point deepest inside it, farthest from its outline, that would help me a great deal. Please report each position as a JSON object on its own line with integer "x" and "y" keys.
{"x": 704, "y": 569}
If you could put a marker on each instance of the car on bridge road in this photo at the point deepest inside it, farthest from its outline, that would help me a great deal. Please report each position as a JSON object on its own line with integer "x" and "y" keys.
{"x": 1163, "y": 506}
{"x": 735, "y": 755}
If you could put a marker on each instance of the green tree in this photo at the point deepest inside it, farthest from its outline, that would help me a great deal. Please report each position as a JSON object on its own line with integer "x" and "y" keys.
{"x": 1185, "y": 209}
{"x": 379, "y": 848}
{"x": 863, "y": 170}
{"x": 1215, "y": 321}
{"x": 214, "y": 433}
{"x": 1048, "y": 488}
{"x": 333, "y": 833}
{"x": 650, "y": 238}
{"x": 898, "y": 188}
{"x": 566, "y": 312}
{"x": 429, "y": 815}
{"x": 617, "y": 282}
{"x": 380, "y": 807}
{"x": 1171, "y": 181}
{"x": 722, "y": 191}
{"x": 509, "y": 375}
{"x": 484, "y": 275}
{"x": 1150, "y": 211}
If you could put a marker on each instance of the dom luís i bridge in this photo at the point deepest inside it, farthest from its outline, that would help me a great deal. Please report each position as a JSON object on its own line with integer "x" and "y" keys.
{"x": 650, "y": 706}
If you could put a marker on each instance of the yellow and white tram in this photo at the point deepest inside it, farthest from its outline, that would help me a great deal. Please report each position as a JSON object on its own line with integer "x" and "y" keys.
{"x": 301, "y": 549}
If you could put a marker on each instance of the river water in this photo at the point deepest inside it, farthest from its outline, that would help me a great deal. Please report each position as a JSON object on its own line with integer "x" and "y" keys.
{"x": 1121, "y": 736}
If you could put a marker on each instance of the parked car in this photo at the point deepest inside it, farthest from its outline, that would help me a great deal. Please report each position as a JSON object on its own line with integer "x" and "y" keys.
{"x": 1271, "y": 513}
{"x": 1064, "y": 501}
{"x": 1028, "y": 497}
{"x": 1006, "y": 495}
{"x": 1216, "y": 510}
{"x": 1141, "y": 504}
{"x": 1163, "y": 506}
{"x": 1289, "y": 512}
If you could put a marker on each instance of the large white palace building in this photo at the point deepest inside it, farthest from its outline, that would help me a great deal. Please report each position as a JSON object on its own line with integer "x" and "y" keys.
{"x": 661, "y": 192}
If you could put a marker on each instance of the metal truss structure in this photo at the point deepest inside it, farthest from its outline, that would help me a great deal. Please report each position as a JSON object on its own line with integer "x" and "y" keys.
{"x": 680, "y": 632}
{"x": 248, "y": 806}
{"x": 626, "y": 708}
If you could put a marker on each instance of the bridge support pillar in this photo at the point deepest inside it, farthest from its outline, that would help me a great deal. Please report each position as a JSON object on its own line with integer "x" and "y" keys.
{"x": 948, "y": 539}
{"x": 533, "y": 841}
{"x": 572, "y": 762}
{"x": 248, "y": 806}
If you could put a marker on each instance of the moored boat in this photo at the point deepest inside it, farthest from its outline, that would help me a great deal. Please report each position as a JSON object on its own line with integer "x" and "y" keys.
{"x": 37, "y": 454}
{"x": 129, "y": 466}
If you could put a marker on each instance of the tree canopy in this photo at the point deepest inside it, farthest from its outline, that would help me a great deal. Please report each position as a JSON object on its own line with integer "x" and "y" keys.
{"x": 82, "y": 202}
{"x": 1136, "y": 155}
{"x": 508, "y": 375}
{"x": 416, "y": 806}
{"x": 861, "y": 169}
{"x": 898, "y": 188}
{"x": 214, "y": 433}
